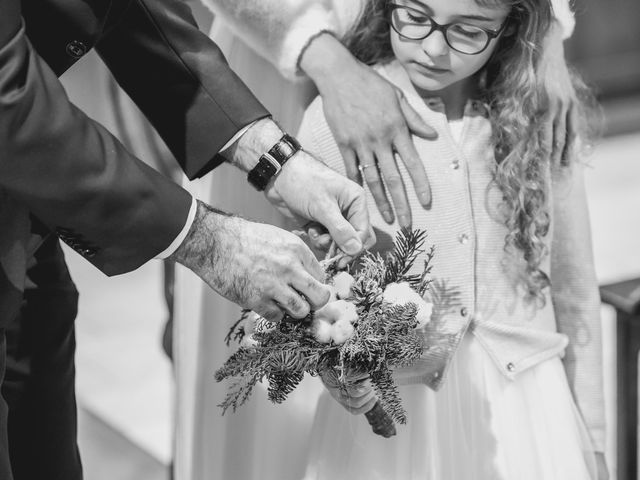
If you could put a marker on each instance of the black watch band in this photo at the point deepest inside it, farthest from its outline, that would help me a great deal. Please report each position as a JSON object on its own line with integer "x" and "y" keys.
{"x": 271, "y": 163}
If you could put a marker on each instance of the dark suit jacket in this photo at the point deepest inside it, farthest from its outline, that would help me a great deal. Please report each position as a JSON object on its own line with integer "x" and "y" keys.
{"x": 66, "y": 169}
{"x": 62, "y": 172}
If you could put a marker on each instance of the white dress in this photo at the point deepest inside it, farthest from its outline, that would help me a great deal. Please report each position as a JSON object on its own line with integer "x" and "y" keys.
{"x": 479, "y": 426}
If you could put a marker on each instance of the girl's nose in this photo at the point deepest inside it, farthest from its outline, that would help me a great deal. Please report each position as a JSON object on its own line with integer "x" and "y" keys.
{"x": 435, "y": 45}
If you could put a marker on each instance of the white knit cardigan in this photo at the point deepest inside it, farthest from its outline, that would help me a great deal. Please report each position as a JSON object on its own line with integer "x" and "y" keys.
{"x": 279, "y": 29}
{"x": 476, "y": 281}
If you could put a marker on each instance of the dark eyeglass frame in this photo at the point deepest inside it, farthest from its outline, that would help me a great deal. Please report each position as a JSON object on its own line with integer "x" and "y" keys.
{"x": 435, "y": 26}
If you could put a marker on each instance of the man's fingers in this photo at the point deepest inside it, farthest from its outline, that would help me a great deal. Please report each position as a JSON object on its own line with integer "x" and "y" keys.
{"x": 415, "y": 123}
{"x": 342, "y": 232}
{"x": 395, "y": 185}
{"x": 316, "y": 293}
{"x": 291, "y": 302}
{"x": 409, "y": 156}
{"x": 270, "y": 311}
{"x": 369, "y": 169}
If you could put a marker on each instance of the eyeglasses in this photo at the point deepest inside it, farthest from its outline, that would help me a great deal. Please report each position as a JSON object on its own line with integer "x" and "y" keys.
{"x": 413, "y": 24}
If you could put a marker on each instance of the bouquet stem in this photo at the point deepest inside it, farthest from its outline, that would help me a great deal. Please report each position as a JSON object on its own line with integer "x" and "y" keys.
{"x": 381, "y": 423}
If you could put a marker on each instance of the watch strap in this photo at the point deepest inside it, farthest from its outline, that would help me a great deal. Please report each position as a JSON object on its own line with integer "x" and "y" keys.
{"x": 270, "y": 163}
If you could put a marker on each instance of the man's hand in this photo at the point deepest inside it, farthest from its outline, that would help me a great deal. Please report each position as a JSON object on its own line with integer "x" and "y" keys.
{"x": 562, "y": 113}
{"x": 257, "y": 266}
{"x": 371, "y": 122}
{"x": 308, "y": 189}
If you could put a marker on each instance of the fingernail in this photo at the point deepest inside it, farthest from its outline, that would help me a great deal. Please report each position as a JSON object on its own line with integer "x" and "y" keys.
{"x": 313, "y": 234}
{"x": 425, "y": 199}
{"x": 353, "y": 246}
{"x": 404, "y": 221}
{"x": 387, "y": 216}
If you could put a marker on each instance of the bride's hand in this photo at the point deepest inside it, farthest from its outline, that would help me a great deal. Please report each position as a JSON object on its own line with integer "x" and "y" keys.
{"x": 260, "y": 267}
{"x": 371, "y": 122}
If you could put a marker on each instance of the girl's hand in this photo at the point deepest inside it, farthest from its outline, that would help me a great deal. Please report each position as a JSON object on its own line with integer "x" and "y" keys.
{"x": 371, "y": 122}
{"x": 562, "y": 113}
{"x": 601, "y": 463}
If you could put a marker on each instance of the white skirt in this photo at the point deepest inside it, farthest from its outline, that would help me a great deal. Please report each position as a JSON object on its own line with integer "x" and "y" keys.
{"x": 479, "y": 426}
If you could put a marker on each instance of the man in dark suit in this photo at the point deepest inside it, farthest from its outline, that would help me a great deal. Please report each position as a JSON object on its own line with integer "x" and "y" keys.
{"x": 62, "y": 173}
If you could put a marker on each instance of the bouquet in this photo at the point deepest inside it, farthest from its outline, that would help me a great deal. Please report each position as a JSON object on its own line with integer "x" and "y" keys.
{"x": 370, "y": 326}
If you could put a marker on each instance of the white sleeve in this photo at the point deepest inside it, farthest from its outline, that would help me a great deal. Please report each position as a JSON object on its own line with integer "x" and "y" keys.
{"x": 279, "y": 30}
{"x": 563, "y": 13}
{"x": 191, "y": 216}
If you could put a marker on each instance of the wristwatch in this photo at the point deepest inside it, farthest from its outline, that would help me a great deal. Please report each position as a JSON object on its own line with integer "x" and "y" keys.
{"x": 271, "y": 162}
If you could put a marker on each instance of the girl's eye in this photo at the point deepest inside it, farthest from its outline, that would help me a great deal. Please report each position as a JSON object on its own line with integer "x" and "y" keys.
{"x": 417, "y": 18}
{"x": 468, "y": 31}
{"x": 413, "y": 16}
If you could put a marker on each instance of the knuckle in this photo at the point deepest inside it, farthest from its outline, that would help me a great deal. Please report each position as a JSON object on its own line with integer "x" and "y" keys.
{"x": 393, "y": 180}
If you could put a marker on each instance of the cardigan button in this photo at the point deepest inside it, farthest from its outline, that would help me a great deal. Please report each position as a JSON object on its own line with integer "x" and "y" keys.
{"x": 464, "y": 312}
{"x": 463, "y": 238}
{"x": 455, "y": 165}
{"x": 511, "y": 367}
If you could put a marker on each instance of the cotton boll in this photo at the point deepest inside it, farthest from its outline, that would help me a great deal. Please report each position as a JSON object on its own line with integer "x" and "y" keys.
{"x": 338, "y": 310}
{"x": 398, "y": 293}
{"x": 250, "y": 322}
{"x": 342, "y": 283}
{"x": 248, "y": 341}
{"x": 321, "y": 330}
{"x": 334, "y": 294}
{"x": 341, "y": 331}
{"x": 423, "y": 315}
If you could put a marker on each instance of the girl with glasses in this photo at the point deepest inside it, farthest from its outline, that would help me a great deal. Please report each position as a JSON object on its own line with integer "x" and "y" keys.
{"x": 510, "y": 384}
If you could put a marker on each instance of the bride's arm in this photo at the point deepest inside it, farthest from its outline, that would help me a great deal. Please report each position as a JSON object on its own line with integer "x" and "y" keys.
{"x": 279, "y": 30}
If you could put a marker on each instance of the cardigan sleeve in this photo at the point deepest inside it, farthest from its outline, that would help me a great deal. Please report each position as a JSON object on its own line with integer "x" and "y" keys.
{"x": 576, "y": 301}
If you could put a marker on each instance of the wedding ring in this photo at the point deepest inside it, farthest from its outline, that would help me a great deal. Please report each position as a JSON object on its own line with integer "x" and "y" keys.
{"x": 364, "y": 167}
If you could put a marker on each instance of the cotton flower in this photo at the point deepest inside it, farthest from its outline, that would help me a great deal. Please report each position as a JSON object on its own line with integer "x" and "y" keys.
{"x": 342, "y": 283}
{"x": 321, "y": 330}
{"x": 341, "y": 331}
{"x": 248, "y": 341}
{"x": 402, "y": 293}
{"x": 338, "y": 310}
{"x": 250, "y": 322}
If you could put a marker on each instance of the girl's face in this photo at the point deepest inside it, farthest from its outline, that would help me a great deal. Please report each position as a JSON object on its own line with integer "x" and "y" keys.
{"x": 431, "y": 63}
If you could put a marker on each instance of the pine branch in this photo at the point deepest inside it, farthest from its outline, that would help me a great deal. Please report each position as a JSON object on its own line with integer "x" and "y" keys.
{"x": 236, "y": 332}
{"x": 387, "y": 392}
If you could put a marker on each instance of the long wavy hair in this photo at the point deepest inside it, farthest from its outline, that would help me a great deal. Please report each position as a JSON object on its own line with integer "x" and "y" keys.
{"x": 518, "y": 102}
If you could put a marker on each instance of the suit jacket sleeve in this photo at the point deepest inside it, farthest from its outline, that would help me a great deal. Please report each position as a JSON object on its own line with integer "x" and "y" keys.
{"x": 576, "y": 300}
{"x": 180, "y": 80}
{"x": 70, "y": 172}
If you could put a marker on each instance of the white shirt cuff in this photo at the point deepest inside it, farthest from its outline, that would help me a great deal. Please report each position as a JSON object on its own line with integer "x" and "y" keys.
{"x": 235, "y": 138}
{"x": 183, "y": 233}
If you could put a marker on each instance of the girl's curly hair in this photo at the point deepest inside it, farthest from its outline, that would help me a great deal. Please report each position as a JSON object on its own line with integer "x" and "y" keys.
{"x": 519, "y": 103}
